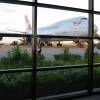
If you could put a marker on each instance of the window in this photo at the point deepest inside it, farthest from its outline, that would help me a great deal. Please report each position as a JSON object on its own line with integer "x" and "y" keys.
{"x": 52, "y": 47}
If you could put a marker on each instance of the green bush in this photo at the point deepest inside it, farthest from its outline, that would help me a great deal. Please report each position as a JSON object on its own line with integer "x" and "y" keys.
{"x": 66, "y": 56}
{"x": 16, "y": 86}
{"x": 40, "y": 57}
{"x": 61, "y": 81}
{"x": 18, "y": 54}
{"x": 48, "y": 82}
{"x": 16, "y": 57}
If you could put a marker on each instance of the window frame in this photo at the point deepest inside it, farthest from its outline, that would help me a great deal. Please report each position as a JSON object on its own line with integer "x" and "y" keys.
{"x": 90, "y": 11}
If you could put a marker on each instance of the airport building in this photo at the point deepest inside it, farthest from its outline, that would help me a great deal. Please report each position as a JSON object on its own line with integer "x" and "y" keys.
{"x": 49, "y": 49}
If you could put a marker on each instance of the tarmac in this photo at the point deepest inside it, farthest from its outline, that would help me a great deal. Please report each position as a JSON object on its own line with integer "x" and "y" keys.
{"x": 49, "y": 52}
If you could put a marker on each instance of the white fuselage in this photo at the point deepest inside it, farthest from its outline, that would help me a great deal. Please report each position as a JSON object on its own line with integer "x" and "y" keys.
{"x": 77, "y": 26}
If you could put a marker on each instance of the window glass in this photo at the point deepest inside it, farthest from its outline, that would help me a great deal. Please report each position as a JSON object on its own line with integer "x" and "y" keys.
{"x": 96, "y": 5}
{"x": 15, "y": 19}
{"x": 61, "y": 81}
{"x": 96, "y": 77}
{"x": 56, "y": 52}
{"x": 96, "y": 27}
{"x": 15, "y": 52}
{"x": 97, "y": 41}
{"x": 15, "y": 85}
{"x": 61, "y": 23}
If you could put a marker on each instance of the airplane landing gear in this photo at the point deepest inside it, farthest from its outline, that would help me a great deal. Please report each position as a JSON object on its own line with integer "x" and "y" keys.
{"x": 49, "y": 44}
{"x": 59, "y": 44}
{"x": 83, "y": 45}
{"x": 79, "y": 44}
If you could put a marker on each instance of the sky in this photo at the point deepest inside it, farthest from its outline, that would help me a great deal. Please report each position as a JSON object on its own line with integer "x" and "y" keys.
{"x": 11, "y": 13}
{"x": 12, "y": 16}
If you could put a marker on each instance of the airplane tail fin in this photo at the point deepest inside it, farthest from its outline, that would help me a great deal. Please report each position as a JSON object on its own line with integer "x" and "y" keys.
{"x": 28, "y": 25}
{"x": 28, "y": 30}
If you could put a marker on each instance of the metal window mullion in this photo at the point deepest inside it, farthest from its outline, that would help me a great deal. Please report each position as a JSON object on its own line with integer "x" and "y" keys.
{"x": 59, "y": 7}
{"x": 14, "y": 35}
{"x": 18, "y": 2}
{"x": 34, "y": 47}
{"x": 64, "y": 37}
{"x": 63, "y": 67}
{"x": 3, "y": 71}
{"x": 97, "y": 12}
{"x": 91, "y": 48}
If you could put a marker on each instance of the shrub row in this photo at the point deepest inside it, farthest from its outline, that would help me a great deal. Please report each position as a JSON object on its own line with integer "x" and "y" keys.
{"x": 18, "y": 86}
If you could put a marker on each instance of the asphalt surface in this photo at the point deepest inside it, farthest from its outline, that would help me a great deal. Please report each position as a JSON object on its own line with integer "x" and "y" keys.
{"x": 49, "y": 52}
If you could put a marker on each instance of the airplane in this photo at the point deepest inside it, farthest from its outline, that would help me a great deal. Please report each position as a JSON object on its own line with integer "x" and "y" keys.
{"x": 76, "y": 26}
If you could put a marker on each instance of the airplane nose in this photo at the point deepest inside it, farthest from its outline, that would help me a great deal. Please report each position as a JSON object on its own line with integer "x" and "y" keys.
{"x": 95, "y": 28}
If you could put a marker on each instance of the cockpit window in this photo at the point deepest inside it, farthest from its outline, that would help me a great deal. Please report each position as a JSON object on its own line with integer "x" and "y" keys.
{"x": 84, "y": 18}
